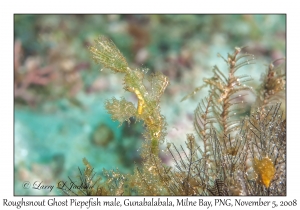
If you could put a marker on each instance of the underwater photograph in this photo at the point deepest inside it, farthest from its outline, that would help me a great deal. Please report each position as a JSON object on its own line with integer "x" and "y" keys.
{"x": 150, "y": 105}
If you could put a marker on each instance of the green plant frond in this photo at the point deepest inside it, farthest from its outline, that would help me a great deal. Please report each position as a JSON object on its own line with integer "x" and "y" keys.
{"x": 159, "y": 83}
{"x": 133, "y": 82}
{"x": 120, "y": 110}
{"x": 88, "y": 168}
{"x": 106, "y": 53}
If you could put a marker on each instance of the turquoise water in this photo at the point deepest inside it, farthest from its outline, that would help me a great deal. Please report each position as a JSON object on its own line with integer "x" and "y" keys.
{"x": 59, "y": 139}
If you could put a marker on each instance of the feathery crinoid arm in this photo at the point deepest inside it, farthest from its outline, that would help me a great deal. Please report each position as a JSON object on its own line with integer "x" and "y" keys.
{"x": 218, "y": 125}
{"x": 148, "y": 110}
{"x": 228, "y": 92}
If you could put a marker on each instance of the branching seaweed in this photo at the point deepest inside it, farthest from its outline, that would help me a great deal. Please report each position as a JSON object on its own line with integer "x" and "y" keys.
{"x": 233, "y": 156}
